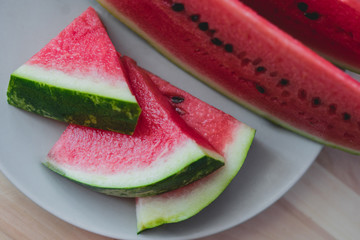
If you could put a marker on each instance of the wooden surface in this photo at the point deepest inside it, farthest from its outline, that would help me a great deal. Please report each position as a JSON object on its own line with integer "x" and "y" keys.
{"x": 324, "y": 204}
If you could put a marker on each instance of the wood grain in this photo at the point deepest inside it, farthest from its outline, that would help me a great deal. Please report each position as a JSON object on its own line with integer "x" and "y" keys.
{"x": 324, "y": 205}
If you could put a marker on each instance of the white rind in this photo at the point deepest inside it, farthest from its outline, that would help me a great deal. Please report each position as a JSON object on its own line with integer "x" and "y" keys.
{"x": 172, "y": 207}
{"x": 91, "y": 83}
{"x": 165, "y": 166}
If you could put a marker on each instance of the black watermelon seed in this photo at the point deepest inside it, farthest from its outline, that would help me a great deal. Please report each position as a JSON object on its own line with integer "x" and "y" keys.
{"x": 283, "y": 82}
{"x": 312, "y": 16}
{"x": 177, "y": 99}
{"x": 178, "y": 7}
{"x": 260, "y": 89}
{"x": 195, "y": 17}
{"x": 332, "y": 109}
{"x": 260, "y": 69}
{"x": 228, "y": 47}
{"x": 316, "y": 101}
{"x": 216, "y": 41}
{"x": 302, "y": 6}
{"x": 346, "y": 116}
{"x": 203, "y": 26}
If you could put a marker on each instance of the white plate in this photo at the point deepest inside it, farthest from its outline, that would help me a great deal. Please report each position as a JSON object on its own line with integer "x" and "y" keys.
{"x": 277, "y": 159}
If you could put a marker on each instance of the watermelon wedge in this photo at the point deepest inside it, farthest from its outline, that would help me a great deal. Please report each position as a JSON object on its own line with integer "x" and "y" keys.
{"x": 230, "y": 137}
{"x": 231, "y": 48}
{"x": 330, "y": 27}
{"x": 77, "y": 78}
{"x": 163, "y": 153}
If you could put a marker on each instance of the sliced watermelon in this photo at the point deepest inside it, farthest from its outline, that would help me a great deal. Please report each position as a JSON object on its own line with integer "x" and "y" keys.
{"x": 330, "y": 27}
{"x": 163, "y": 153}
{"x": 77, "y": 78}
{"x": 230, "y": 137}
{"x": 233, "y": 49}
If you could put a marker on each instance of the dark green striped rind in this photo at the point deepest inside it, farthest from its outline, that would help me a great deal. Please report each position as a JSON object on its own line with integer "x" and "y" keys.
{"x": 73, "y": 106}
{"x": 195, "y": 171}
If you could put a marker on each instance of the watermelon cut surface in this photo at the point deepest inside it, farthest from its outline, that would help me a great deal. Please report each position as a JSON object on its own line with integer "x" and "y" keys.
{"x": 77, "y": 78}
{"x": 331, "y": 27}
{"x": 229, "y": 137}
{"x": 163, "y": 153}
{"x": 242, "y": 55}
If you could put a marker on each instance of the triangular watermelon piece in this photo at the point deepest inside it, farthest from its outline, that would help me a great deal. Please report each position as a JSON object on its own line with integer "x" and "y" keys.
{"x": 163, "y": 153}
{"x": 77, "y": 78}
{"x": 229, "y": 136}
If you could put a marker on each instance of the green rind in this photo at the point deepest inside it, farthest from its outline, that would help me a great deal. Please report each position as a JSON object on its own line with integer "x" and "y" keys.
{"x": 222, "y": 181}
{"x": 72, "y": 106}
{"x": 194, "y": 171}
{"x": 217, "y": 87}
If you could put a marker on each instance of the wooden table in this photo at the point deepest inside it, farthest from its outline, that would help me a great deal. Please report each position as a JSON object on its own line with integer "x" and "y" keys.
{"x": 324, "y": 204}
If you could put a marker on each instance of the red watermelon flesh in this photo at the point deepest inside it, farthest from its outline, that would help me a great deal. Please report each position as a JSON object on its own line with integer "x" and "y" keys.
{"x": 330, "y": 27}
{"x": 214, "y": 125}
{"x": 162, "y": 154}
{"x": 77, "y": 78}
{"x": 233, "y": 49}
{"x": 229, "y": 136}
{"x": 83, "y": 48}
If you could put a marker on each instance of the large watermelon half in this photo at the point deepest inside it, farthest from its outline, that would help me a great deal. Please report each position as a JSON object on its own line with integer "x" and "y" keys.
{"x": 163, "y": 153}
{"x": 233, "y": 49}
{"x": 77, "y": 78}
{"x": 230, "y": 137}
{"x": 331, "y": 27}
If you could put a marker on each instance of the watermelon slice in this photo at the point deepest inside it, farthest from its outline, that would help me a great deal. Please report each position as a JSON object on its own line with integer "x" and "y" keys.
{"x": 231, "y": 48}
{"x": 163, "y": 153}
{"x": 331, "y": 27}
{"x": 230, "y": 137}
{"x": 77, "y": 78}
